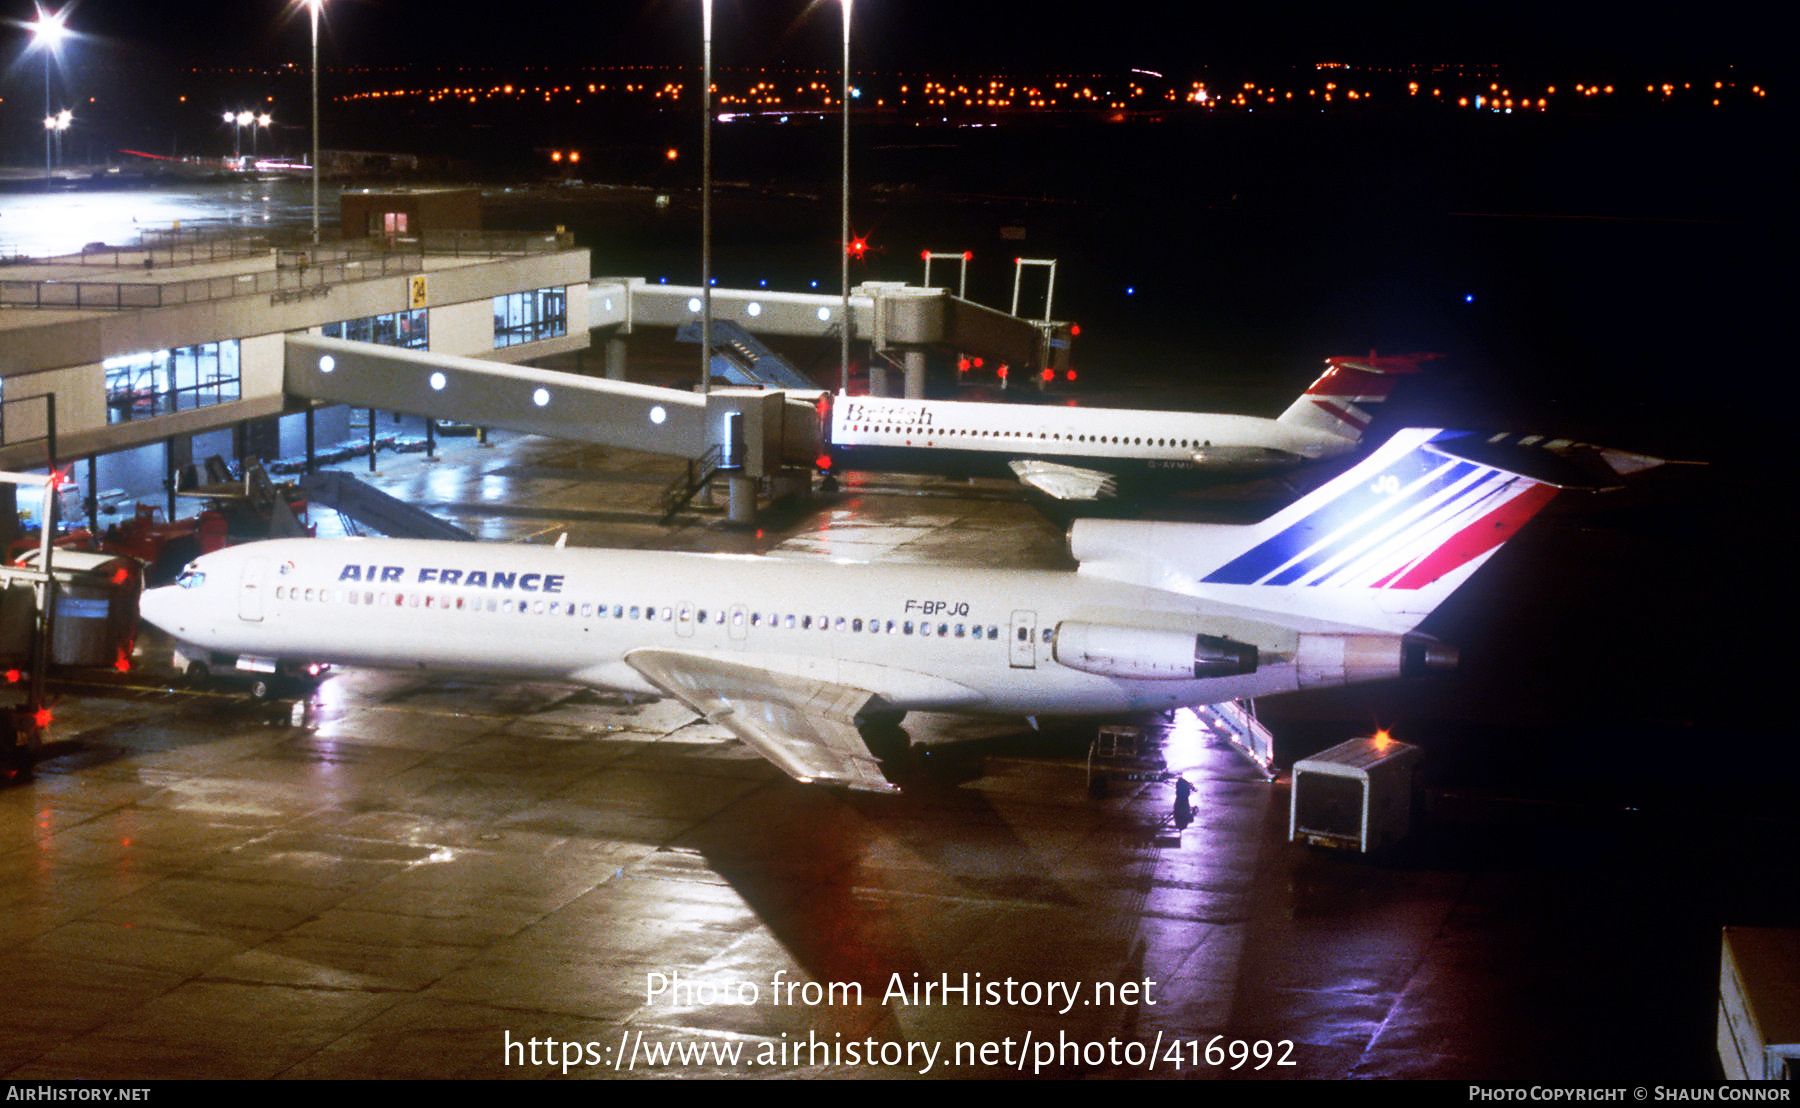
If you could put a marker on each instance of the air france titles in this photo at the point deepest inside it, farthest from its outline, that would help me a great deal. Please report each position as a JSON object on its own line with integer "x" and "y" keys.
{"x": 463, "y": 578}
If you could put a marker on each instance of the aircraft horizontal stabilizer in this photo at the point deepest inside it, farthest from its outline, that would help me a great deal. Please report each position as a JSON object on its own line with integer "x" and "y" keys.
{"x": 812, "y": 730}
{"x": 1559, "y": 462}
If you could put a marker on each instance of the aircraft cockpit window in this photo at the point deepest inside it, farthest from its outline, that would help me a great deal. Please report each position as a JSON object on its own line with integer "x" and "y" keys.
{"x": 191, "y": 578}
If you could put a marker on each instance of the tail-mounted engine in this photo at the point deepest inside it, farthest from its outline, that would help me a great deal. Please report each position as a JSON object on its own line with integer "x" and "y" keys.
{"x": 1141, "y": 654}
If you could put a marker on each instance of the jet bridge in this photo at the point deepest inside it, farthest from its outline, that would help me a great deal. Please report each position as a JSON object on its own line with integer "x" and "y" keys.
{"x": 751, "y": 436}
{"x": 899, "y": 321}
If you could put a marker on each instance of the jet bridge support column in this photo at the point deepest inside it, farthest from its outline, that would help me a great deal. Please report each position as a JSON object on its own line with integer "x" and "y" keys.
{"x": 745, "y": 426}
{"x": 915, "y": 374}
{"x": 905, "y": 318}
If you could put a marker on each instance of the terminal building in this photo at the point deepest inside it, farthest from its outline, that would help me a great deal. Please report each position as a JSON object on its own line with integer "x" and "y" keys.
{"x": 125, "y": 363}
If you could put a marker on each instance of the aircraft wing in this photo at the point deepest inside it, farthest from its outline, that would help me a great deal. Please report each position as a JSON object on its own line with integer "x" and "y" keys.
{"x": 811, "y": 730}
{"x": 1065, "y": 482}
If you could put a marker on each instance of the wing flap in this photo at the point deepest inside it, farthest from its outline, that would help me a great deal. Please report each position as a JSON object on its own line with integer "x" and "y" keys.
{"x": 810, "y": 729}
{"x": 1065, "y": 482}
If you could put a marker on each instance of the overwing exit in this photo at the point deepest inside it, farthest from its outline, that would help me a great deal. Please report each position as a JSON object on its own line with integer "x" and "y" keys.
{"x": 815, "y": 664}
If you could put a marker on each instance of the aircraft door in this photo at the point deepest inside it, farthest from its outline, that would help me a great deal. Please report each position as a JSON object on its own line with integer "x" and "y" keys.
{"x": 250, "y": 593}
{"x": 738, "y": 619}
{"x": 684, "y": 619}
{"x": 1024, "y": 640}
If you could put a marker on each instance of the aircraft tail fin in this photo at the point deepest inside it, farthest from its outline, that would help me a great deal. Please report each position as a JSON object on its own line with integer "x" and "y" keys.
{"x": 1379, "y": 546}
{"x": 1338, "y": 402}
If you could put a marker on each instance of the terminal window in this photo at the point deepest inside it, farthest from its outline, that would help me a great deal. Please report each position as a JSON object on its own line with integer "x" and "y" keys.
{"x": 153, "y": 383}
{"x": 530, "y": 316}
{"x": 403, "y": 329}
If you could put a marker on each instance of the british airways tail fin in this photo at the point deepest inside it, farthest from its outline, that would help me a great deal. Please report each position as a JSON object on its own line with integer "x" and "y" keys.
{"x": 1338, "y": 402}
{"x": 1378, "y": 547}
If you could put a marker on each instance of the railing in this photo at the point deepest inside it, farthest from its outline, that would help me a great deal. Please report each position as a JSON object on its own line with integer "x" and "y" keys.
{"x": 302, "y": 268}
{"x": 285, "y": 282}
{"x": 492, "y": 243}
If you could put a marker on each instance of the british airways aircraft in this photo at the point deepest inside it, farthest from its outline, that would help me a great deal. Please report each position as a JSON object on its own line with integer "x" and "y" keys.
{"x": 807, "y": 661}
{"x": 1085, "y": 454}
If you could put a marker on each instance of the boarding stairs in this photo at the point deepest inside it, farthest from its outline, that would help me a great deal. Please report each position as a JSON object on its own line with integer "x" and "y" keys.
{"x": 699, "y": 472}
{"x": 364, "y": 504}
{"x": 739, "y": 357}
{"x": 1235, "y": 721}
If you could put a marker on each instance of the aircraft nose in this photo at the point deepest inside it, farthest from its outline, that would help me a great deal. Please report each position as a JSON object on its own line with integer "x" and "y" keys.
{"x": 161, "y": 607}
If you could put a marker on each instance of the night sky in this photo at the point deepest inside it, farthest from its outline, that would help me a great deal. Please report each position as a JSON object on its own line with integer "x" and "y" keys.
{"x": 919, "y": 34}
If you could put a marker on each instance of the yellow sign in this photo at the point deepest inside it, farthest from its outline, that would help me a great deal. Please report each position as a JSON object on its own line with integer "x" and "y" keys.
{"x": 418, "y": 291}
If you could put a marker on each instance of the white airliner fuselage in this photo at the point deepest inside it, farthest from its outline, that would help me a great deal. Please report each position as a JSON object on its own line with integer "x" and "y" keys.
{"x": 800, "y": 658}
{"x": 1082, "y": 453}
{"x": 929, "y": 639}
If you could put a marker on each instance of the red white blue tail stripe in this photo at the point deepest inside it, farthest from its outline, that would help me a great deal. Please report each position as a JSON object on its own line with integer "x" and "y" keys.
{"x": 1396, "y": 523}
{"x": 1338, "y": 402}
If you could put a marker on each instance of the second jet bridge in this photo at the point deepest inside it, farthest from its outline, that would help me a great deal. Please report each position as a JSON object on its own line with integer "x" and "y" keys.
{"x": 753, "y": 434}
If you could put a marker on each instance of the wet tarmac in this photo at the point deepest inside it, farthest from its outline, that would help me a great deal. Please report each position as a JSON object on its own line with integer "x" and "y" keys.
{"x": 408, "y": 877}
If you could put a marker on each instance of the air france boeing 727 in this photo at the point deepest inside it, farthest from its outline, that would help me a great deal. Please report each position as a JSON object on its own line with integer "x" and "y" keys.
{"x": 806, "y": 660}
{"x": 1085, "y": 454}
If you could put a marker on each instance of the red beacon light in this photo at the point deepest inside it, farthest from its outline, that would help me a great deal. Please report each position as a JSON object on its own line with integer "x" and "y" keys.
{"x": 823, "y": 461}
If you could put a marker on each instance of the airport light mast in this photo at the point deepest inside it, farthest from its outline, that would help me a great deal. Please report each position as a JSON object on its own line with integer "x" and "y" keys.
{"x": 313, "y": 6}
{"x": 844, "y": 220}
{"x": 48, "y": 32}
{"x": 706, "y": 10}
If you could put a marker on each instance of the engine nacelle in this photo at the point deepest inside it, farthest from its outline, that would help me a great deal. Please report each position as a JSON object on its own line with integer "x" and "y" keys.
{"x": 1141, "y": 654}
{"x": 1349, "y": 659}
